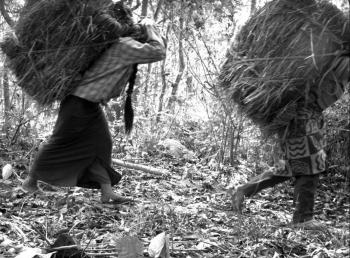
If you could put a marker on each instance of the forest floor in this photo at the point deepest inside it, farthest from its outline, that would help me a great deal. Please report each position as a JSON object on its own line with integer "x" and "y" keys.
{"x": 190, "y": 205}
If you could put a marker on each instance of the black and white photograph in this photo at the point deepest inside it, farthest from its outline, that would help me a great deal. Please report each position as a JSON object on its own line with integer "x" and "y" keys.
{"x": 175, "y": 128}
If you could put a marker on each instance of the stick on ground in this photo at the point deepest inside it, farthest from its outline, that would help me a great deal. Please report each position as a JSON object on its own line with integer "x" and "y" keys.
{"x": 143, "y": 168}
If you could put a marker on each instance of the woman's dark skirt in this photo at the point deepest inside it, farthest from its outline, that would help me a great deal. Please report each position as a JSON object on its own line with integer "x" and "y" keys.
{"x": 80, "y": 138}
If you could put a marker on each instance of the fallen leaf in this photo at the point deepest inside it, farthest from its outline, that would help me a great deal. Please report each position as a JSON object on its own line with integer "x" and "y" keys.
{"x": 7, "y": 171}
{"x": 34, "y": 252}
{"x": 159, "y": 246}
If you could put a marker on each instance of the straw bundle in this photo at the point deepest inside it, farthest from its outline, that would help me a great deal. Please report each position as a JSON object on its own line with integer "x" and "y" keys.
{"x": 53, "y": 43}
{"x": 280, "y": 56}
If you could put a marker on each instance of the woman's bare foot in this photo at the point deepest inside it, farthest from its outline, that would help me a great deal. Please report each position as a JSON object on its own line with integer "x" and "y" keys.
{"x": 108, "y": 196}
{"x": 30, "y": 185}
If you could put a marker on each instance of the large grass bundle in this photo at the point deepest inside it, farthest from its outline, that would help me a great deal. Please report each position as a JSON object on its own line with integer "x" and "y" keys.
{"x": 53, "y": 43}
{"x": 285, "y": 51}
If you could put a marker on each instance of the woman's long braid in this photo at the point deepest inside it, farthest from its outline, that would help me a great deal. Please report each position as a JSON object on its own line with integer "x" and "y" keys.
{"x": 128, "y": 110}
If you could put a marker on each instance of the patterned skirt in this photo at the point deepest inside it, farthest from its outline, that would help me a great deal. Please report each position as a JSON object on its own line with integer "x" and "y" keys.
{"x": 303, "y": 145}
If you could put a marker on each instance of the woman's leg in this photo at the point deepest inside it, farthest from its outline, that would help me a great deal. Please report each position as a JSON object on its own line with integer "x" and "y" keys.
{"x": 66, "y": 130}
{"x": 255, "y": 185}
{"x": 304, "y": 197}
{"x": 97, "y": 173}
{"x": 30, "y": 184}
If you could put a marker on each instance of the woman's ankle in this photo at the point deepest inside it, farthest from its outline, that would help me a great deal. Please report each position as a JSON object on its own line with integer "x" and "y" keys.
{"x": 30, "y": 184}
{"x": 106, "y": 189}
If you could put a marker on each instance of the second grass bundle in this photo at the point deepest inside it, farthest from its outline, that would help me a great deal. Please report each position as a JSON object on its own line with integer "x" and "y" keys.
{"x": 280, "y": 58}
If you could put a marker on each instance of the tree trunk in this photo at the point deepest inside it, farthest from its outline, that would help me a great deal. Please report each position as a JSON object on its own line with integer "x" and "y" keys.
{"x": 225, "y": 134}
{"x": 232, "y": 143}
{"x": 164, "y": 84}
{"x": 148, "y": 75}
{"x": 175, "y": 85}
{"x": 162, "y": 93}
{"x": 7, "y": 108}
{"x": 5, "y": 82}
{"x": 156, "y": 13}
{"x": 155, "y": 17}
{"x": 253, "y": 7}
{"x": 144, "y": 8}
{"x": 237, "y": 141}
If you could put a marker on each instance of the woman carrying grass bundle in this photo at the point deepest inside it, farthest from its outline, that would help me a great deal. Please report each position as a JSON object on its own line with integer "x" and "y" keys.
{"x": 304, "y": 157}
{"x": 290, "y": 62}
{"x": 79, "y": 150}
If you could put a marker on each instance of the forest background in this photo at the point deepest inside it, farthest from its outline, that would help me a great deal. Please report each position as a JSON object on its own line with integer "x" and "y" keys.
{"x": 181, "y": 124}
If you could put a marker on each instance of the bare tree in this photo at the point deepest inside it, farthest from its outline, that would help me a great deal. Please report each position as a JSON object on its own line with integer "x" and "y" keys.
{"x": 144, "y": 8}
{"x": 164, "y": 83}
{"x": 5, "y": 79}
{"x": 6, "y": 95}
{"x": 157, "y": 11}
{"x": 253, "y": 7}
{"x": 175, "y": 85}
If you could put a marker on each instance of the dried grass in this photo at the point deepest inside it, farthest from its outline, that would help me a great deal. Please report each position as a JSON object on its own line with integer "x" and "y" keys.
{"x": 280, "y": 56}
{"x": 53, "y": 43}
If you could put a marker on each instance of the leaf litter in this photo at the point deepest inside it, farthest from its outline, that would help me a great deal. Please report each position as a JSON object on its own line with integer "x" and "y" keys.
{"x": 189, "y": 211}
